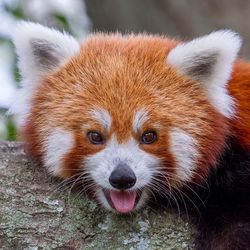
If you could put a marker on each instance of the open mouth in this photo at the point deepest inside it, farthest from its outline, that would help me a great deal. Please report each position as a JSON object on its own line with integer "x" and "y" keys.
{"x": 123, "y": 201}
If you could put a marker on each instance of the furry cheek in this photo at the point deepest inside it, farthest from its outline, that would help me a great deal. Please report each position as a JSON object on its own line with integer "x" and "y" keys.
{"x": 184, "y": 149}
{"x": 56, "y": 145}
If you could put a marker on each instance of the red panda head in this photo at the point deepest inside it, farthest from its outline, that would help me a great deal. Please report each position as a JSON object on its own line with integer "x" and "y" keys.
{"x": 127, "y": 115}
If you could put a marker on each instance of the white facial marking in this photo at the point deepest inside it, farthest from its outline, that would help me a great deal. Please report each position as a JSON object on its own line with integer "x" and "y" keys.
{"x": 103, "y": 117}
{"x": 209, "y": 59}
{"x": 56, "y": 145}
{"x": 101, "y": 164}
{"x": 184, "y": 149}
{"x": 140, "y": 117}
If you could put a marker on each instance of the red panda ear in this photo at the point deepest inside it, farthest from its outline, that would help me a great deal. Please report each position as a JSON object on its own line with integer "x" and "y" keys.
{"x": 41, "y": 49}
{"x": 209, "y": 60}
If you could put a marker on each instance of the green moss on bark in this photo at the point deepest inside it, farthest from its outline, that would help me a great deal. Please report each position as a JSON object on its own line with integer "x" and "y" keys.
{"x": 33, "y": 216}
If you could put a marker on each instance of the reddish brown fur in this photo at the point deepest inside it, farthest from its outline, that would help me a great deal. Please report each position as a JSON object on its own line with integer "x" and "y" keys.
{"x": 239, "y": 88}
{"x": 123, "y": 74}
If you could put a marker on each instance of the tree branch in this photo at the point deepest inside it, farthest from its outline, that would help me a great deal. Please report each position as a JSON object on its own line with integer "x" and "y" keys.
{"x": 35, "y": 215}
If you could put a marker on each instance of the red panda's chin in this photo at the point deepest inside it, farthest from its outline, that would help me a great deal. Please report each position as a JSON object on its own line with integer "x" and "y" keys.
{"x": 123, "y": 201}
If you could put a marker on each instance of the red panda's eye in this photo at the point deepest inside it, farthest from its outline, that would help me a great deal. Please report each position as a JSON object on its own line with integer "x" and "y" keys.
{"x": 95, "y": 137}
{"x": 148, "y": 137}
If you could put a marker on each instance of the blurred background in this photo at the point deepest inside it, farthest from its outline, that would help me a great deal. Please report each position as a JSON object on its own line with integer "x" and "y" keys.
{"x": 183, "y": 19}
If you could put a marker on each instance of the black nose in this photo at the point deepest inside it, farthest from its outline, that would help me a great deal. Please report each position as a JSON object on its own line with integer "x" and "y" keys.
{"x": 122, "y": 177}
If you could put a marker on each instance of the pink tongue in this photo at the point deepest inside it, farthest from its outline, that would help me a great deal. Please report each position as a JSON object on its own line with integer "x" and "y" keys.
{"x": 123, "y": 201}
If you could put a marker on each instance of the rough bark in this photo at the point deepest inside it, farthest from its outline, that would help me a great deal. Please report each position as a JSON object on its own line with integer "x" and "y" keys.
{"x": 34, "y": 215}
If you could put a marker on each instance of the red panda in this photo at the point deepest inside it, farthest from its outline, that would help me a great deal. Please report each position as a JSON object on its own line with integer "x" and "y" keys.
{"x": 131, "y": 115}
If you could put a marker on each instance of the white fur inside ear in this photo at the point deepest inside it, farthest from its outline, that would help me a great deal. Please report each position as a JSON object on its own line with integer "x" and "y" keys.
{"x": 40, "y": 49}
{"x": 33, "y": 41}
{"x": 184, "y": 149}
{"x": 209, "y": 60}
{"x": 55, "y": 146}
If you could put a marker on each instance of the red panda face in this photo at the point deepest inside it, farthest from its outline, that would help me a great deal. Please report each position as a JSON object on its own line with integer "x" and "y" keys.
{"x": 123, "y": 115}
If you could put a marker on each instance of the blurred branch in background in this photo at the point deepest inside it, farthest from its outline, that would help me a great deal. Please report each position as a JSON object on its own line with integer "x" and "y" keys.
{"x": 179, "y": 18}
{"x": 68, "y": 15}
